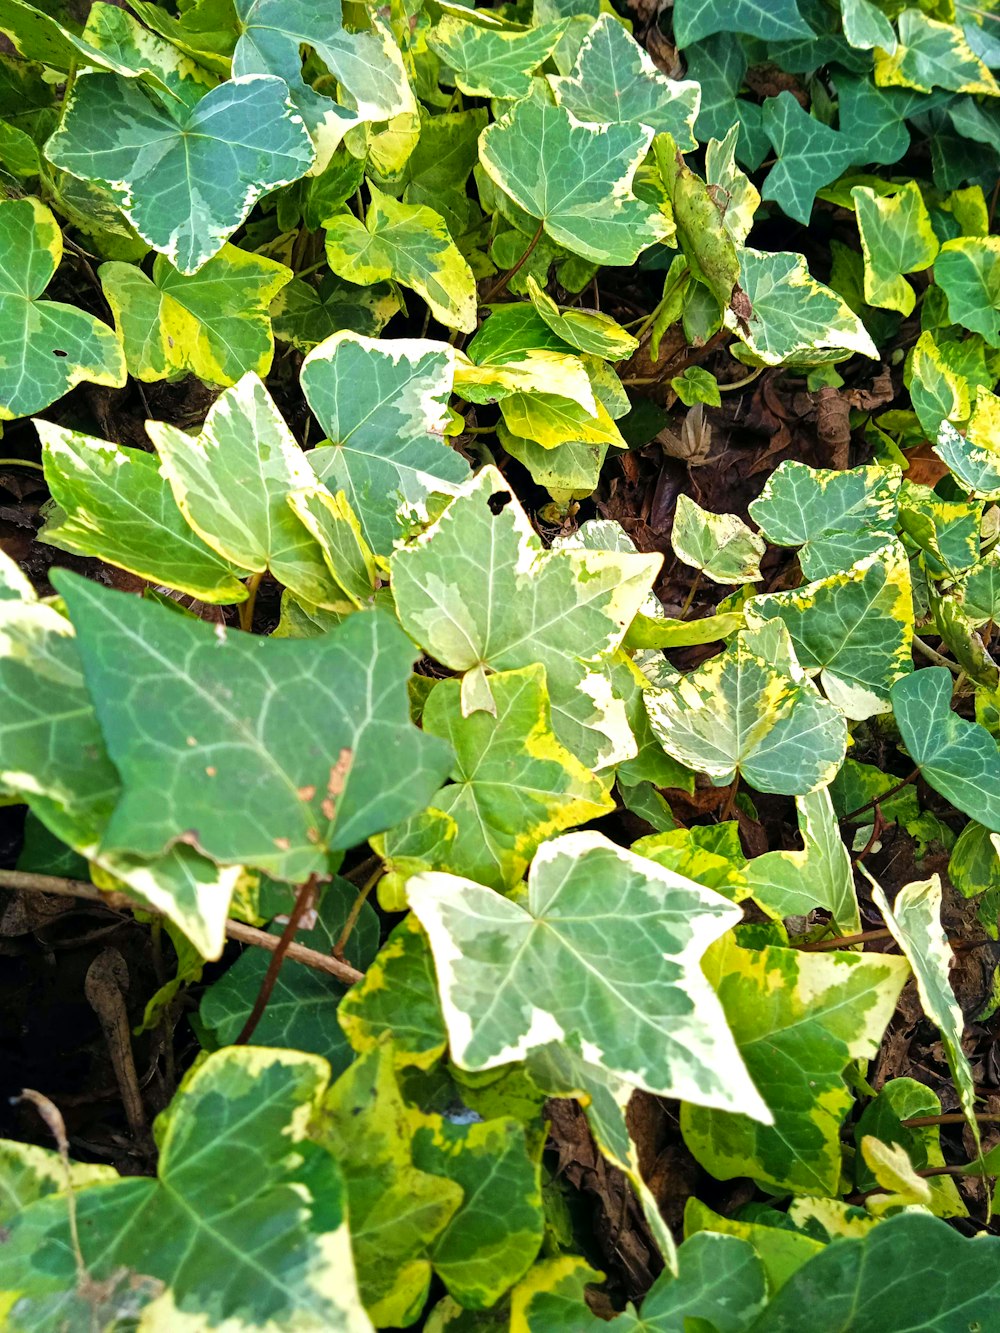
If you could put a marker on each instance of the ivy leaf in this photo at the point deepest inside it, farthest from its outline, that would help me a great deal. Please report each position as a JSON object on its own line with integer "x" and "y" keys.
{"x": 615, "y": 82}
{"x": 492, "y": 62}
{"x": 580, "y": 186}
{"x": 383, "y": 406}
{"x": 232, "y": 483}
{"x": 915, "y": 922}
{"x": 305, "y": 316}
{"x": 719, "y": 64}
{"x": 14, "y": 586}
{"x": 45, "y": 347}
{"x": 113, "y": 503}
{"x": 513, "y": 785}
{"x": 932, "y": 55}
{"x": 298, "y": 1010}
{"x": 186, "y": 177}
{"x": 976, "y": 465}
{"x": 411, "y": 244}
{"x": 478, "y": 592}
{"x": 896, "y": 238}
{"x": 794, "y": 883}
{"x": 587, "y": 330}
{"x": 213, "y": 324}
{"x": 281, "y": 759}
{"x": 939, "y": 1279}
{"x": 798, "y": 1019}
{"x": 959, "y": 759}
{"x": 121, "y": 44}
{"x": 620, "y": 995}
{"x": 397, "y": 1210}
{"x": 333, "y": 523}
{"x": 772, "y": 22}
{"x": 793, "y": 314}
{"x": 901, "y": 1099}
{"x": 233, "y": 1161}
{"x": 825, "y": 512}
{"x": 968, "y": 272}
{"x": 781, "y": 1250}
{"x": 946, "y": 531}
{"x": 750, "y": 711}
{"x": 865, "y": 26}
{"x": 854, "y": 628}
{"x": 938, "y": 393}
{"x": 720, "y": 545}
{"x": 810, "y": 155}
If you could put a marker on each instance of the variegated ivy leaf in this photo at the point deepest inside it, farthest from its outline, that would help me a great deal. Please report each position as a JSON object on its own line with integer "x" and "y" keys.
{"x": 959, "y": 759}
{"x": 127, "y": 48}
{"x": 750, "y": 711}
{"x": 968, "y": 272}
{"x": 781, "y": 1250}
{"x": 896, "y": 238}
{"x": 615, "y": 82}
{"x": 946, "y": 531}
{"x": 204, "y": 30}
{"x": 410, "y": 244}
{"x": 232, "y": 483}
{"x": 367, "y": 65}
{"x": 938, "y": 391}
{"x": 114, "y": 503}
{"x": 185, "y": 177}
{"x": 214, "y": 323}
{"x": 383, "y": 407}
{"x": 855, "y": 629}
{"x": 865, "y": 26}
{"x": 794, "y": 883}
{"x": 773, "y": 22}
{"x": 263, "y": 752}
{"x": 552, "y": 421}
{"x": 932, "y": 55}
{"x": 492, "y": 62}
{"x": 915, "y": 922}
{"x": 723, "y": 177}
{"x": 513, "y": 785}
{"x": 901, "y": 1099}
{"x": 30, "y": 1173}
{"x": 569, "y": 471}
{"x": 720, "y": 545}
{"x": 619, "y": 1002}
{"x": 798, "y": 1020}
{"x": 972, "y": 458}
{"x": 529, "y": 372}
{"x": 45, "y": 347}
{"x": 793, "y": 315}
{"x": 575, "y": 178}
{"x": 835, "y": 517}
{"x": 586, "y": 330}
{"x": 53, "y": 757}
{"x": 335, "y": 526}
{"x": 234, "y": 1162}
{"x": 14, "y": 586}
{"x": 478, "y": 592}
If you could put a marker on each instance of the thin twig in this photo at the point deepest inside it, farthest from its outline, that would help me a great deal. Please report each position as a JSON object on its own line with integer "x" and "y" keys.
{"x": 22, "y": 881}
{"x": 695, "y": 585}
{"x": 842, "y": 941}
{"x": 851, "y": 816}
{"x": 934, "y": 656}
{"x": 352, "y": 916}
{"x": 304, "y": 900}
{"x": 501, "y": 285}
{"x": 950, "y": 1118}
{"x": 20, "y": 462}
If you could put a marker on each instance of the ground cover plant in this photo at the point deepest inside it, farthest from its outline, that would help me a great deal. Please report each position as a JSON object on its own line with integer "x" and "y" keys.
{"x": 498, "y": 721}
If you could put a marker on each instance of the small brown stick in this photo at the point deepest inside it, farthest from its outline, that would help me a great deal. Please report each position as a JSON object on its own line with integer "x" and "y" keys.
{"x": 500, "y": 285}
{"x": 105, "y": 987}
{"x": 22, "y": 881}
{"x": 950, "y": 1118}
{"x": 852, "y": 815}
{"x": 305, "y": 898}
{"x": 56, "y": 1126}
{"x": 841, "y": 941}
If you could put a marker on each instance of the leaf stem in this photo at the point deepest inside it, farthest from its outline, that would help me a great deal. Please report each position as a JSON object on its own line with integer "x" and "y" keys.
{"x": 695, "y": 585}
{"x": 352, "y": 916}
{"x": 950, "y": 1118}
{"x": 247, "y": 607}
{"x": 840, "y": 941}
{"x": 501, "y": 285}
{"x": 20, "y": 462}
{"x": 304, "y": 899}
{"x": 934, "y": 656}
{"x": 851, "y": 817}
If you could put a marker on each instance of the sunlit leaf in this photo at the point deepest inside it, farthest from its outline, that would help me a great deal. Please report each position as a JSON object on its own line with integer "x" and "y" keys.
{"x": 932, "y": 55}
{"x": 492, "y": 62}
{"x": 720, "y": 545}
{"x": 694, "y": 19}
{"x": 897, "y": 238}
{"x": 968, "y": 272}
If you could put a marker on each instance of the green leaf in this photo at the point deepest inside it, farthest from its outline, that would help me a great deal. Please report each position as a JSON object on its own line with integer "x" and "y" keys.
{"x": 719, "y": 64}
{"x": 29, "y": 1173}
{"x": 398, "y": 998}
{"x": 305, "y": 316}
{"x": 697, "y": 385}
{"x": 126, "y": 47}
{"x": 821, "y": 875}
{"x": 477, "y": 591}
{"x": 915, "y": 922}
{"x": 580, "y": 186}
{"x": 976, "y": 466}
{"x": 185, "y": 178}
{"x": 411, "y": 244}
{"x": 492, "y": 62}
{"x": 615, "y": 82}
{"x": 968, "y": 272}
{"x": 899, "y": 1100}
{"x": 781, "y": 1250}
{"x": 775, "y": 21}
{"x": 959, "y": 759}
{"x": 45, "y": 347}
{"x": 232, "y": 483}
{"x": 114, "y": 503}
{"x": 277, "y": 747}
{"x": 333, "y": 523}
{"x": 241, "y": 1202}
{"x": 397, "y": 1211}
{"x": 896, "y": 238}
{"x": 213, "y": 324}
{"x": 383, "y": 406}
{"x": 810, "y": 155}
{"x": 586, "y": 330}
{"x": 932, "y": 55}
{"x": 793, "y": 314}
{"x": 513, "y": 785}
{"x": 865, "y": 26}
{"x": 720, "y": 1280}
{"x": 720, "y": 545}
{"x": 750, "y": 711}
{"x": 798, "y": 1019}
{"x": 938, "y": 392}
{"x": 855, "y": 629}
{"x": 14, "y": 586}
{"x": 946, "y": 531}
{"x": 939, "y": 1279}
{"x": 619, "y": 1001}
